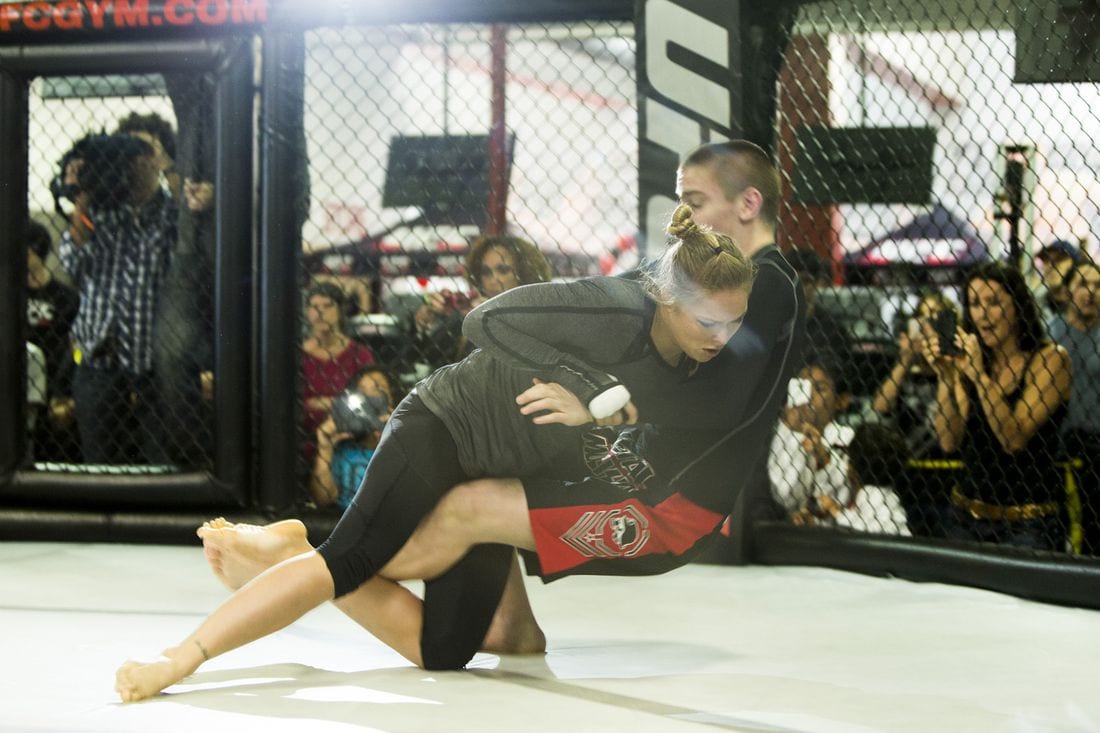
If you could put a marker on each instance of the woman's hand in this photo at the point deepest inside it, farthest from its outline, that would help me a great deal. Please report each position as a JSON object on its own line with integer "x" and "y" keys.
{"x": 814, "y": 445}
{"x": 942, "y": 366}
{"x": 970, "y": 360}
{"x": 555, "y": 402}
{"x": 907, "y": 347}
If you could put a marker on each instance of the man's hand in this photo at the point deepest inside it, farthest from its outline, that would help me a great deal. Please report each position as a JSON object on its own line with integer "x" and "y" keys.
{"x": 328, "y": 437}
{"x": 198, "y": 195}
{"x": 557, "y": 404}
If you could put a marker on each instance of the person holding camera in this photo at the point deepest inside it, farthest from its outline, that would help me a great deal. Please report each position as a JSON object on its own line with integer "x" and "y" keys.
{"x": 330, "y": 357}
{"x": 1001, "y": 398}
{"x": 347, "y": 439}
{"x": 116, "y": 249}
{"x": 494, "y": 265}
{"x": 906, "y": 399}
{"x": 807, "y": 459}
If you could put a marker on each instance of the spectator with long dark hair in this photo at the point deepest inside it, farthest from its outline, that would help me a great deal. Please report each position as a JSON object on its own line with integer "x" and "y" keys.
{"x": 1001, "y": 401}
{"x": 1078, "y": 330}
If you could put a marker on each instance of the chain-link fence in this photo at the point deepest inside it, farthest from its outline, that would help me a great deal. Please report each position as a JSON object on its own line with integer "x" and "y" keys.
{"x": 918, "y": 147}
{"x": 120, "y": 271}
{"x": 448, "y": 162}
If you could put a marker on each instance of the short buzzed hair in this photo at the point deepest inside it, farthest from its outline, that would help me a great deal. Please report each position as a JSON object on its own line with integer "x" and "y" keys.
{"x": 740, "y": 164}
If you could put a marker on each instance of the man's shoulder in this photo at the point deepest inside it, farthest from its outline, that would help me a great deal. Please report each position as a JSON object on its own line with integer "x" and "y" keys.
{"x": 773, "y": 269}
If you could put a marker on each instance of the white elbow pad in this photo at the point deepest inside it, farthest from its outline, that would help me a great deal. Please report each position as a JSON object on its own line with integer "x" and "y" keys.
{"x": 609, "y": 402}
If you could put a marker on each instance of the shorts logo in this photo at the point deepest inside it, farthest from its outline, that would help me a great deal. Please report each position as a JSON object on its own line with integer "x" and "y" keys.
{"x": 609, "y": 533}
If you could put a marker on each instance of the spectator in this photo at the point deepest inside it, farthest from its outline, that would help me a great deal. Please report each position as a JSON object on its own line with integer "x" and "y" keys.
{"x": 807, "y": 455}
{"x": 495, "y": 264}
{"x": 51, "y": 308}
{"x": 330, "y": 357}
{"x": 158, "y": 133}
{"x": 877, "y": 456}
{"x": 1055, "y": 261}
{"x": 906, "y": 399}
{"x": 826, "y": 338}
{"x": 182, "y": 348}
{"x": 1000, "y": 403}
{"x": 1078, "y": 331}
{"x": 117, "y": 250}
{"x": 342, "y": 457}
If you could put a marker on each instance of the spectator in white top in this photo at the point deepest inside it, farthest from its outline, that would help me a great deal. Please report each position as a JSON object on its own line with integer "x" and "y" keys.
{"x": 877, "y": 457}
{"x": 807, "y": 454}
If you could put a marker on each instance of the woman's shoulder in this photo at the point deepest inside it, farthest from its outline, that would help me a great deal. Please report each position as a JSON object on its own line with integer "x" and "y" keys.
{"x": 1049, "y": 354}
{"x": 596, "y": 290}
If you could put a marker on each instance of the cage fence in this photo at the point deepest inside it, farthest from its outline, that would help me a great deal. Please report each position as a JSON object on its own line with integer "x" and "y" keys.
{"x": 447, "y": 162}
{"x": 939, "y": 163}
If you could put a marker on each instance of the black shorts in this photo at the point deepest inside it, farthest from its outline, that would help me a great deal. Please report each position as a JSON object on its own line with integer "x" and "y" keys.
{"x": 415, "y": 464}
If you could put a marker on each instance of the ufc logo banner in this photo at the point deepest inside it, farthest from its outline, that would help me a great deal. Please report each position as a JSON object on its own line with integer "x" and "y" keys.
{"x": 689, "y": 92}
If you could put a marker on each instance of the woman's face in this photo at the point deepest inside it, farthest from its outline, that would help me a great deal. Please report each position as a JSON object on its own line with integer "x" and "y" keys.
{"x": 702, "y": 326}
{"x": 323, "y": 313}
{"x": 1084, "y": 291}
{"x": 498, "y": 272}
{"x": 992, "y": 312}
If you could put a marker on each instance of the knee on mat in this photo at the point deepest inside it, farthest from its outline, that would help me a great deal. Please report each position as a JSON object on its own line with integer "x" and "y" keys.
{"x": 444, "y": 658}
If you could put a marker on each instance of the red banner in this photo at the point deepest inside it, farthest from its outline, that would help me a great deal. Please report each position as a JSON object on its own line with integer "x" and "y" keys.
{"x": 29, "y": 19}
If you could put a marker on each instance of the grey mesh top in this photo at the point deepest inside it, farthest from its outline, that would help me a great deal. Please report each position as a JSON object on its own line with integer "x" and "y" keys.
{"x": 570, "y": 333}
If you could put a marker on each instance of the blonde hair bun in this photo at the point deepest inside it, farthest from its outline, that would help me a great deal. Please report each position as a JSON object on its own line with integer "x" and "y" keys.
{"x": 682, "y": 224}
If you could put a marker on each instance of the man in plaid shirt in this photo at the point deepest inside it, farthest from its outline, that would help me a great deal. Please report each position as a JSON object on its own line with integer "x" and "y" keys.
{"x": 117, "y": 251}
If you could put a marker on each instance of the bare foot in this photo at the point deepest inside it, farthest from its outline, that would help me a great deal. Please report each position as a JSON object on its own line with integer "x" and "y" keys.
{"x": 140, "y": 679}
{"x": 237, "y": 553}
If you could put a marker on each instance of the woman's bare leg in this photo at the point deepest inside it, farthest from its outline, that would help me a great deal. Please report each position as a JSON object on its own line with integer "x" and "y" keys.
{"x": 482, "y": 511}
{"x": 273, "y": 600}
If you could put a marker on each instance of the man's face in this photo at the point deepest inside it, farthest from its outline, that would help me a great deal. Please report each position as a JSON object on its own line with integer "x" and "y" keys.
{"x": 1053, "y": 268}
{"x": 697, "y": 186}
{"x": 163, "y": 162}
{"x": 146, "y": 178}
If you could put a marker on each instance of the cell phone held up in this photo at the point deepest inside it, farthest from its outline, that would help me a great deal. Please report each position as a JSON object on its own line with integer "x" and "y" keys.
{"x": 946, "y": 324}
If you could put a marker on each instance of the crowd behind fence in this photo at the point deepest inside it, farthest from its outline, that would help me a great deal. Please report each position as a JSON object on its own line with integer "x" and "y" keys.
{"x": 445, "y": 163}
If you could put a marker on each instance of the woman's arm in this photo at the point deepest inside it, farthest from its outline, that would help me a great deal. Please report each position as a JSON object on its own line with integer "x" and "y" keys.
{"x": 322, "y": 484}
{"x": 564, "y": 332}
{"x": 886, "y": 396}
{"x": 1046, "y": 387}
{"x": 789, "y": 471}
{"x": 952, "y": 403}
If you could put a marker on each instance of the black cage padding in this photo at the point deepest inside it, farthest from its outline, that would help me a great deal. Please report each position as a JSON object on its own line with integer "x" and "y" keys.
{"x": 230, "y": 61}
{"x": 1055, "y": 579}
